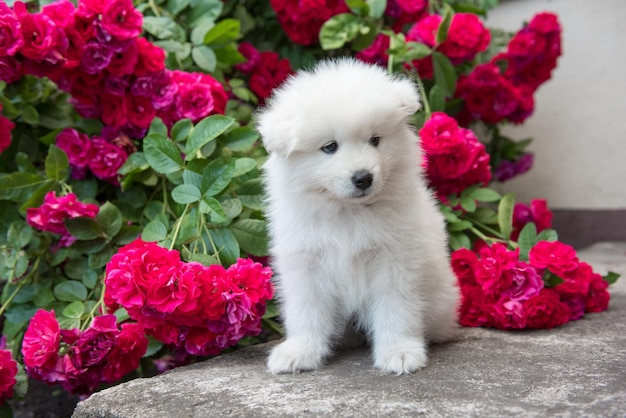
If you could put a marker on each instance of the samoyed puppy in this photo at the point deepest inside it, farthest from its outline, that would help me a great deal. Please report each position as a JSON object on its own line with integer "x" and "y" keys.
{"x": 356, "y": 237}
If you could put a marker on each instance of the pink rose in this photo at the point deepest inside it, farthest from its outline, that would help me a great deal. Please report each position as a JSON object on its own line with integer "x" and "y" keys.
{"x": 107, "y": 159}
{"x": 537, "y": 212}
{"x": 76, "y": 145}
{"x": 40, "y": 34}
{"x": 121, "y": 20}
{"x": 50, "y": 216}
{"x": 252, "y": 56}
{"x": 376, "y": 53}
{"x": 506, "y": 314}
{"x": 5, "y": 131}
{"x": 41, "y": 340}
{"x": 11, "y": 39}
{"x": 8, "y": 370}
{"x": 61, "y": 12}
{"x": 557, "y": 257}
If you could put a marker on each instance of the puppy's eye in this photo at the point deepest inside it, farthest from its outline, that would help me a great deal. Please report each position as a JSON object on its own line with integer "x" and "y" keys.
{"x": 330, "y": 148}
{"x": 374, "y": 140}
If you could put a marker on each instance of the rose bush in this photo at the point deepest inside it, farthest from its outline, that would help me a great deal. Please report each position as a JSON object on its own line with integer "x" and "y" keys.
{"x": 132, "y": 229}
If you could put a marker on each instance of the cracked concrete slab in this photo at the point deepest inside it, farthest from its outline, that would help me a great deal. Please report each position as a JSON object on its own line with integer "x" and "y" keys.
{"x": 578, "y": 369}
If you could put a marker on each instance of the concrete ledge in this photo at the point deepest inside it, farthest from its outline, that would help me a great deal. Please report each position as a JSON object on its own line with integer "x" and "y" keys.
{"x": 576, "y": 370}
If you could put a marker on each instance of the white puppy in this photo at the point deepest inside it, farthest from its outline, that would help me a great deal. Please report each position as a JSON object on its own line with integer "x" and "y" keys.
{"x": 356, "y": 235}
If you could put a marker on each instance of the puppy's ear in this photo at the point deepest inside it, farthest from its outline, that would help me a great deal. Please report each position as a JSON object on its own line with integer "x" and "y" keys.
{"x": 408, "y": 99}
{"x": 276, "y": 131}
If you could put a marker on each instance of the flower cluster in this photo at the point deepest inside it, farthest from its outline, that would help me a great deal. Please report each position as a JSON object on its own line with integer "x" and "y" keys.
{"x": 498, "y": 290}
{"x": 8, "y": 370}
{"x": 199, "y": 309}
{"x": 405, "y": 12}
{"x": 302, "y": 19}
{"x": 52, "y": 213}
{"x": 81, "y": 360}
{"x": 102, "y": 155}
{"x": 266, "y": 70}
{"x": 454, "y": 158}
{"x": 5, "y": 131}
{"x": 94, "y": 52}
{"x": 536, "y": 212}
{"x": 493, "y": 95}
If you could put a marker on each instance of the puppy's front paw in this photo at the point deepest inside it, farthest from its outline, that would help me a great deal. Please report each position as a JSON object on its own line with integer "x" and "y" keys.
{"x": 293, "y": 356}
{"x": 401, "y": 358}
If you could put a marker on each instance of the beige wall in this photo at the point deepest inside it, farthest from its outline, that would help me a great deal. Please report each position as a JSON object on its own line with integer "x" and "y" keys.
{"x": 579, "y": 124}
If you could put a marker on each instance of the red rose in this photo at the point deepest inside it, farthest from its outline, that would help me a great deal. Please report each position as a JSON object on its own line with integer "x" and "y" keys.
{"x": 10, "y": 69}
{"x": 252, "y": 56}
{"x": 489, "y": 270}
{"x": 76, "y": 145}
{"x": 463, "y": 262}
{"x": 123, "y": 61}
{"x": 467, "y": 36}
{"x": 557, "y": 257}
{"x": 270, "y": 73}
{"x": 150, "y": 58}
{"x": 546, "y": 310}
{"x": 140, "y": 111}
{"x": 302, "y": 19}
{"x": 537, "y": 212}
{"x": 125, "y": 356}
{"x": 376, "y": 53}
{"x": 598, "y": 297}
{"x": 471, "y": 312}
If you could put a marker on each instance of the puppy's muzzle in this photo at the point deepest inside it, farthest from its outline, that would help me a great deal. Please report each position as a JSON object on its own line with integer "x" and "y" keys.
{"x": 362, "y": 179}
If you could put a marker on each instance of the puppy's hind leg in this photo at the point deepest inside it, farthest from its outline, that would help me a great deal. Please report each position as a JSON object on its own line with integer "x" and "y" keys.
{"x": 310, "y": 321}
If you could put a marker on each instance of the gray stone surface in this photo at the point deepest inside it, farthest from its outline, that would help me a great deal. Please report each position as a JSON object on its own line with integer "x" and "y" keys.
{"x": 576, "y": 370}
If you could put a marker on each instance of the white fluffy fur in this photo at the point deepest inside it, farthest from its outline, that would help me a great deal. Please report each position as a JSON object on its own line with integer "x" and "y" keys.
{"x": 379, "y": 259}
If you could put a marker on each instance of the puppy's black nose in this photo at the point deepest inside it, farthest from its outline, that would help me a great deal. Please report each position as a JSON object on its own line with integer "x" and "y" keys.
{"x": 362, "y": 179}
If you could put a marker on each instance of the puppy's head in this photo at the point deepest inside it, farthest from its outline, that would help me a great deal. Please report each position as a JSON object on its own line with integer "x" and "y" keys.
{"x": 339, "y": 128}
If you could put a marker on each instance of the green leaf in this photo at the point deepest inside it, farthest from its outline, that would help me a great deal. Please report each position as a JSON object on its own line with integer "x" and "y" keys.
{"x": 153, "y": 347}
{"x": 550, "y": 279}
{"x": 205, "y": 259}
{"x": 70, "y": 291}
{"x": 226, "y": 244}
{"x": 232, "y": 208}
{"x": 459, "y": 226}
{"x": 19, "y": 234}
{"x": 181, "y": 129}
{"x": 444, "y": 26}
{"x": 459, "y": 240}
{"x": 377, "y": 8}
{"x": 18, "y": 187}
{"x": 340, "y": 29}
{"x": 217, "y": 176}
{"x": 135, "y": 163}
{"x": 436, "y": 99}
{"x": 127, "y": 234}
{"x": 109, "y": 219}
{"x": 358, "y": 7}
{"x": 468, "y": 204}
{"x": 204, "y": 57}
{"x": 252, "y": 236}
{"x": 30, "y": 115}
{"x": 186, "y": 193}
{"x": 505, "y": 214}
{"x": 176, "y": 6}
{"x": 44, "y": 298}
{"x": 57, "y": 164}
{"x": 154, "y": 231}
{"x": 24, "y": 164}
{"x": 90, "y": 279}
{"x": 162, "y": 27}
{"x": 75, "y": 309}
{"x": 223, "y": 32}
{"x": 99, "y": 259}
{"x": 157, "y": 127}
{"x": 240, "y": 139}
{"x": 213, "y": 207}
{"x": 548, "y": 235}
{"x": 83, "y": 228}
{"x": 243, "y": 166}
{"x": 206, "y": 131}
{"x": 527, "y": 239}
{"x": 611, "y": 277}
{"x": 484, "y": 194}
{"x": 205, "y": 9}
{"x": 162, "y": 154}
{"x": 445, "y": 75}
